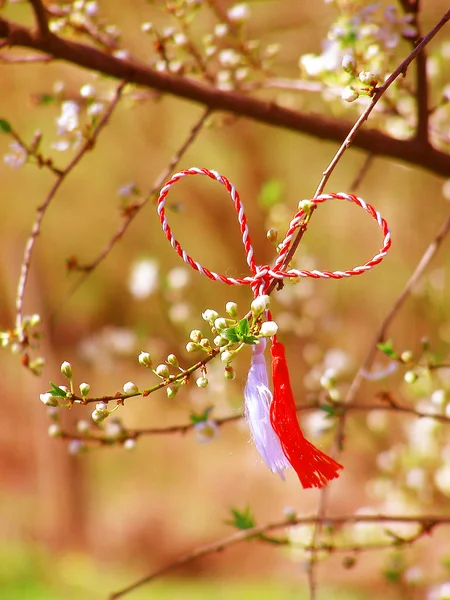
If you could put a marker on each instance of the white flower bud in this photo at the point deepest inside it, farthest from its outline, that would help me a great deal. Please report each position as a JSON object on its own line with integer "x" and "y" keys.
{"x": 305, "y": 205}
{"x": 171, "y": 391}
{"x": 367, "y": 78}
{"x": 101, "y": 407}
{"x": 205, "y": 343}
{"x": 191, "y": 347}
{"x": 259, "y": 305}
{"x": 64, "y": 388}
{"x": 54, "y": 430}
{"x": 410, "y": 377}
{"x": 349, "y": 94}
{"x": 144, "y": 359}
{"x": 162, "y": 370}
{"x": 129, "y": 444}
{"x": 173, "y": 360}
{"x": 220, "y": 324}
{"x": 209, "y": 315}
{"x": 231, "y": 308}
{"x": 76, "y": 447}
{"x": 195, "y": 335}
{"x": 348, "y": 62}
{"x": 239, "y": 13}
{"x": 220, "y": 341}
{"x": 201, "y": 382}
{"x": 130, "y": 388}
{"x": 226, "y": 356}
{"x": 83, "y": 426}
{"x": 146, "y": 27}
{"x": 85, "y": 388}
{"x": 99, "y": 416}
{"x": 48, "y": 399}
{"x": 35, "y": 320}
{"x": 268, "y": 329}
{"x": 406, "y": 356}
{"x": 114, "y": 430}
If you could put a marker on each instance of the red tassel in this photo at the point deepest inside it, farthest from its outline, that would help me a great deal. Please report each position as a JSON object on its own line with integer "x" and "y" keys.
{"x": 313, "y": 467}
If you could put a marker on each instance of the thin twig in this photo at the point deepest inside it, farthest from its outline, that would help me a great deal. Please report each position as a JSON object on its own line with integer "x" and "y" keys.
{"x": 41, "y": 17}
{"x": 427, "y": 522}
{"x": 429, "y": 254}
{"x": 41, "y": 210}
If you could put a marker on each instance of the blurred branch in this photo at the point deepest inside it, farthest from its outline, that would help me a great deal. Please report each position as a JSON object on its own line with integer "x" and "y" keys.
{"x": 426, "y": 524}
{"x": 41, "y": 17}
{"x": 132, "y": 211}
{"x": 328, "y": 128}
{"x": 41, "y": 210}
{"x": 380, "y": 336}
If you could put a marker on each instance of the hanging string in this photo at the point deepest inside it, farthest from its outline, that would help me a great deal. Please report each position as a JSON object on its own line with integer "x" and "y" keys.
{"x": 272, "y": 419}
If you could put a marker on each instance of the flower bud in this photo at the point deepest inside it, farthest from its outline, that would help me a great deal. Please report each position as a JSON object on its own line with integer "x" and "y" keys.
{"x": 272, "y": 235}
{"x": 348, "y": 62}
{"x": 220, "y": 324}
{"x": 114, "y": 430}
{"x": 268, "y": 329}
{"x": 129, "y": 444}
{"x": 171, "y": 391}
{"x": 210, "y": 315}
{"x": 76, "y": 447}
{"x": 162, "y": 370}
{"x": 191, "y": 347}
{"x": 410, "y": 377}
{"x": 145, "y": 359}
{"x": 54, "y": 430}
{"x": 99, "y": 416}
{"x": 349, "y": 94}
{"x": 66, "y": 369}
{"x": 226, "y": 356}
{"x": 83, "y": 426}
{"x": 205, "y": 343}
{"x": 53, "y": 412}
{"x": 202, "y": 382}
{"x": 65, "y": 389}
{"x": 195, "y": 335}
{"x": 130, "y": 388}
{"x": 231, "y": 308}
{"x": 85, "y": 388}
{"x": 238, "y": 13}
{"x": 101, "y": 407}
{"x": 48, "y": 399}
{"x": 305, "y": 205}
{"x": 35, "y": 320}
{"x": 229, "y": 373}
{"x": 173, "y": 360}
{"x": 220, "y": 341}
{"x": 406, "y": 356}
{"x": 259, "y": 305}
{"x": 367, "y": 78}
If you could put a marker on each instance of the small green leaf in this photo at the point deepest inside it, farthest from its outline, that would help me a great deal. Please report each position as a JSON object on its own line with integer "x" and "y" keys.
{"x": 242, "y": 519}
{"x": 56, "y": 391}
{"x": 5, "y": 127}
{"x": 270, "y": 193}
{"x": 201, "y": 417}
{"x": 249, "y": 339}
{"x": 244, "y": 327}
{"x": 44, "y": 99}
{"x": 231, "y": 334}
{"x": 387, "y": 348}
{"x": 327, "y": 408}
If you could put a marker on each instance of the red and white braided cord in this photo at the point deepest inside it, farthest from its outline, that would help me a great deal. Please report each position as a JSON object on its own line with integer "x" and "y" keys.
{"x": 262, "y": 275}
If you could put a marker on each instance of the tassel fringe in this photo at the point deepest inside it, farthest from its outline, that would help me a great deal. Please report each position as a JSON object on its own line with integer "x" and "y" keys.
{"x": 258, "y": 399}
{"x": 313, "y": 467}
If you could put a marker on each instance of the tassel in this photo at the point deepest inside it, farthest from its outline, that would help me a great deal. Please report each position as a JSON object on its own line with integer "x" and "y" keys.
{"x": 258, "y": 399}
{"x": 313, "y": 467}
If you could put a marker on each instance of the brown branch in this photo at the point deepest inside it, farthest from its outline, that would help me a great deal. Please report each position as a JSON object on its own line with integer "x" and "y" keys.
{"x": 418, "y": 272}
{"x": 326, "y": 128}
{"x": 41, "y": 17}
{"x": 41, "y": 210}
{"x": 427, "y": 523}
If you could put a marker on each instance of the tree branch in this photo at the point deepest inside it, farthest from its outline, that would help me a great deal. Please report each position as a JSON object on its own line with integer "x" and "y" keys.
{"x": 327, "y": 128}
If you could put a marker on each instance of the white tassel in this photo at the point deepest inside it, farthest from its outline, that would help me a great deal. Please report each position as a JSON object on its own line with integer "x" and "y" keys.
{"x": 258, "y": 398}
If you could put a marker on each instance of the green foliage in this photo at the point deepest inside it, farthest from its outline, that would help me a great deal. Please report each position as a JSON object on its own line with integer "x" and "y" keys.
{"x": 240, "y": 333}
{"x": 242, "y": 519}
{"x": 5, "y": 127}
{"x": 387, "y": 349}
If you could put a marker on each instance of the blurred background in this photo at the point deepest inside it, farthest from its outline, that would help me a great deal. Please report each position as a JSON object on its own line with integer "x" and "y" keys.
{"x": 80, "y": 526}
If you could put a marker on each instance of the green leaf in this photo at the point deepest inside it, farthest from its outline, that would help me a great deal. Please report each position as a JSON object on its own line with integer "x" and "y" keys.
{"x": 44, "y": 99}
{"x": 5, "y": 127}
{"x": 231, "y": 334}
{"x": 57, "y": 391}
{"x": 244, "y": 327}
{"x": 327, "y": 408}
{"x": 242, "y": 519}
{"x": 201, "y": 417}
{"x": 271, "y": 192}
{"x": 249, "y": 339}
{"x": 387, "y": 348}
